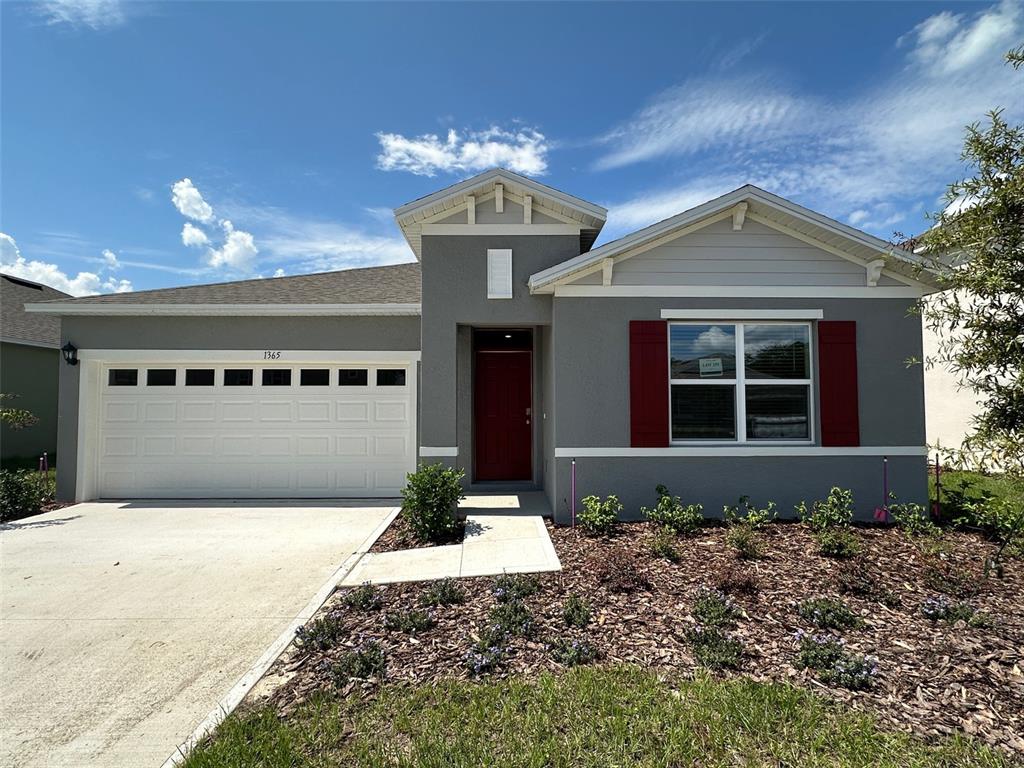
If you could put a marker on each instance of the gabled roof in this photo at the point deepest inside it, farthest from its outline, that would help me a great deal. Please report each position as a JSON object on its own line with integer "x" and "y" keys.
{"x": 372, "y": 290}
{"x": 19, "y": 327}
{"x": 775, "y": 211}
{"x": 589, "y": 216}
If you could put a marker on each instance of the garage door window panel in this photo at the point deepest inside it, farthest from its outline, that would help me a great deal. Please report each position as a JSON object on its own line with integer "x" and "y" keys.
{"x": 238, "y": 377}
{"x": 277, "y": 377}
{"x": 161, "y": 377}
{"x": 199, "y": 377}
{"x": 123, "y": 377}
{"x": 390, "y": 377}
{"x": 315, "y": 377}
{"x": 353, "y": 377}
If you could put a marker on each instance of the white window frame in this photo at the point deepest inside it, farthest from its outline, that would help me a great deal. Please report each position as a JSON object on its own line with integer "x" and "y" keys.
{"x": 740, "y": 381}
{"x": 501, "y": 258}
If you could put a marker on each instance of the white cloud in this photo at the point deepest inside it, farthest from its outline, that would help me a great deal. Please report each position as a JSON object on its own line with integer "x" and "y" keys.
{"x": 520, "y": 150}
{"x": 862, "y": 159}
{"x": 110, "y": 258}
{"x": 192, "y": 235}
{"x": 82, "y": 284}
{"x": 237, "y": 252}
{"x": 190, "y": 202}
{"x": 279, "y": 272}
{"x": 95, "y": 14}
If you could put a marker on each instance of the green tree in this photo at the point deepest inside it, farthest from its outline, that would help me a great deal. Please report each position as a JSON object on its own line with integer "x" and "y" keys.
{"x": 15, "y": 418}
{"x": 977, "y": 249}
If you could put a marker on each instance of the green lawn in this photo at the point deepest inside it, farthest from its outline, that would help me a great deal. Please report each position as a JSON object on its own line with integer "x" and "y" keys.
{"x": 585, "y": 717}
{"x": 1001, "y": 486}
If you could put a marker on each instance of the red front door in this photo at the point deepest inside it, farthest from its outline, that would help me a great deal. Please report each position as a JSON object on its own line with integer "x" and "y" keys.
{"x": 502, "y": 415}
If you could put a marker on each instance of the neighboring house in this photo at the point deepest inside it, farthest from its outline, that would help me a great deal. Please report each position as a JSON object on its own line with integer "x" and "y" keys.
{"x": 29, "y": 359}
{"x": 746, "y": 346}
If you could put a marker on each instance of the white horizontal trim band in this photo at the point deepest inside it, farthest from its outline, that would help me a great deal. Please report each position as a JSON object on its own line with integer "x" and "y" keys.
{"x": 734, "y": 292}
{"x": 742, "y": 314}
{"x": 426, "y": 450}
{"x": 232, "y": 310}
{"x": 499, "y": 229}
{"x": 760, "y": 451}
{"x": 249, "y": 356}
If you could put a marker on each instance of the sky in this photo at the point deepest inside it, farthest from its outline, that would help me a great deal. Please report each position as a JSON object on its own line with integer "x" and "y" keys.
{"x": 146, "y": 145}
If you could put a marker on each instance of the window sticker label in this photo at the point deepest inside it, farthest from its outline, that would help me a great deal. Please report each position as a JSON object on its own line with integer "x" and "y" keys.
{"x": 710, "y": 366}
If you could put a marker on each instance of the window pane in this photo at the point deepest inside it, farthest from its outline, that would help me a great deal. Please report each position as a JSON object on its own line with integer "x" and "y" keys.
{"x": 390, "y": 377}
{"x": 703, "y": 413}
{"x": 199, "y": 377}
{"x": 123, "y": 377}
{"x": 776, "y": 351}
{"x": 161, "y": 377}
{"x": 703, "y": 351}
{"x": 352, "y": 377}
{"x": 238, "y": 377}
{"x": 277, "y": 377}
{"x": 777, "y": 412}
{"x": 315, "y": 377}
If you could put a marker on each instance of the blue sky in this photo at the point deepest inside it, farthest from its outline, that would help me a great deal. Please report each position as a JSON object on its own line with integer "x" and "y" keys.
{"x": 154, "y": 144}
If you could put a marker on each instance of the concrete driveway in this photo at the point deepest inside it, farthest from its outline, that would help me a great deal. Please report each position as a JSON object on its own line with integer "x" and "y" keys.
{"x": 124, "y": 625}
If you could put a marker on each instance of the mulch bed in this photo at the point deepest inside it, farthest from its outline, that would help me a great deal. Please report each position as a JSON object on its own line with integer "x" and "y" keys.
{"x": 399, "y": 535}
{"x": 934, "y": 679}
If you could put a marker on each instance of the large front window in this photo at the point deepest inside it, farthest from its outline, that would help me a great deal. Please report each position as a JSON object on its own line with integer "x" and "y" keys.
{"x": 740, "y": 382}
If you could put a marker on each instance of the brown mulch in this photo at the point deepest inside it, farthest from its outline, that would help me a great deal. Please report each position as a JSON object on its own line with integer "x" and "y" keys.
{"x": 934, "y": 679}
{"x": 399, "y": 535}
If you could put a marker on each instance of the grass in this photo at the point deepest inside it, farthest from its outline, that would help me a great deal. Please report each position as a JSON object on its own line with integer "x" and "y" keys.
{"x": 1001, "y": 486}
{"x": 584, "y": 717}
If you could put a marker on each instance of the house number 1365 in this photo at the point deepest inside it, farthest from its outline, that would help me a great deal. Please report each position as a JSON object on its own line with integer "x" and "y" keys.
{"x": 272, "y": 354}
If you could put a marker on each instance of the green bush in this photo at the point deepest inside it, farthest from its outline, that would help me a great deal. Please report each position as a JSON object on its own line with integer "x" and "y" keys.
{"x": 430, "y": 502}
{"x": 744, "y": 538}
{"x": 512, "y": 618}
{"x": 443, "y": 592}
{"x": 410, "y": 622}
{"x": 714, "y": 608}
{"x": 670, "y": 512}
{"x": 839, "y": 543}
{"x": 663, "y": 544}
{"x": 513, "y": 587}
{"x": 367, "y": 661}
{"x": 24, "y": 493}
{"x": 913, "y": 519}
{"x": 745, "y": 512}
{"x": 577, "y": 612}
{"x": 320, "y": 634}
{"x": 828, "y": 613}
{"x": 599, "y": 517}
{"x": 365, "y": 598}
{"x": 834, "y": 512}
{"x": 714, "y": 649}
{"x": 572, "y": 653}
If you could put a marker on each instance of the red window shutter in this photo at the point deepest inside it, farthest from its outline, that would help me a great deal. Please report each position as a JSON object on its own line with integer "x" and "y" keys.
{"x": 837, "y": 378}
{"x": 648, "y": 383}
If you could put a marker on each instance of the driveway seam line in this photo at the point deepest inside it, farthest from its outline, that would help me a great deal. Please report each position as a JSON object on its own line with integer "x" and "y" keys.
{"x": 234, "y": 696}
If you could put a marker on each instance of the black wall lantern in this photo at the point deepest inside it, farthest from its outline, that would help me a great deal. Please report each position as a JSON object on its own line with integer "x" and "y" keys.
{"x": 70, "y": 353}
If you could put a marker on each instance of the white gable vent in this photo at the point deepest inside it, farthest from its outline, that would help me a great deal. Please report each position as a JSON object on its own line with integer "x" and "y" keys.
{"x": 499, "y": 273}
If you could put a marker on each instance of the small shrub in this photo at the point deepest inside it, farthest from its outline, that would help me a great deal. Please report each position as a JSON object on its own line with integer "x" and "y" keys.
{"x": 913, "y": 520}
{"x": 839, "y": 543}
{"x": 941, "y": 608}
{"x": 512, "y": 618}
{"x": 670, "y": 512}
{"x": 320, "y": 634}
{"x": 24, "y": 493}
{"x": 856, "y": 578}
{"x": 836, "y": 511}
{"x": 410, "y": 622}
{"x": 828, "y": 613}
{"x": 618, "y": 571}
{"x": 1002, "y": 520}
{"x": 572, "y": 653}
{"x": 599, "y": 517}
{"x": 365, "y": 598}
{"x": 714, "y": 608}
{"x": 663, "y": 545}
{"x": 947, "y": 576}
{"x": 367, "y": 661}
{"x": 737, "y": 580}
{"x": 750, "y": 514}
{"x": 577, "y": 612}
{"x": 487, "y": 652}
{"x": 745, "y": 540}
{"x": 430, "y": 502}
{"x": 714, "y": 649}
{"x": 819, "y": 651}
{"x": 856, "y": 673}
{"x": 513, "y": 587}
{"x": 443, "y": 592}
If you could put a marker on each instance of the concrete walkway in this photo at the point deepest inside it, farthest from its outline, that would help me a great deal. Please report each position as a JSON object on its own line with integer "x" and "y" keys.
{"x": 504, "y": 534}
{"x": 125, "y": 626}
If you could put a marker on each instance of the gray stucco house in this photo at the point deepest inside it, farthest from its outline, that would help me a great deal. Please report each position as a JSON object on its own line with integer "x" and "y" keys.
{"x": 745, "y": 346}
{"x": 29, "y": 359}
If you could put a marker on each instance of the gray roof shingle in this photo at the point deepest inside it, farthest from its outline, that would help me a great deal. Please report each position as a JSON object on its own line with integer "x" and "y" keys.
{"x": 395, "y": 284}
{"x": 16, "y": 324}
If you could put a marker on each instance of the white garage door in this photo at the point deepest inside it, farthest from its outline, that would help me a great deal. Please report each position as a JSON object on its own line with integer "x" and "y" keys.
{"x": 242, "y": 430}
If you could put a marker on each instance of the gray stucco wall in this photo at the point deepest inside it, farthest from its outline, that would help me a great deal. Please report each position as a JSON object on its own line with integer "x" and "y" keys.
{"x": 30, "y": 373}
{"x": 222, "y": 333}
{"x": 591, "y": 385}
{"x": 455, "y": 293}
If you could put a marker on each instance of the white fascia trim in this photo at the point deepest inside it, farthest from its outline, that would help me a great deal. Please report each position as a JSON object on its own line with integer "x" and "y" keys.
{"x": 500, "y": 229}
{"x": 742, "y": 314}
{"x": 760, "y": 451}
{"x": 24, "y": 343}
{"x": 232, "y": 310}
{"x": 735, "y": 292}
{"x": 432, "y": 451}
{"x": 249, "y": 356}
